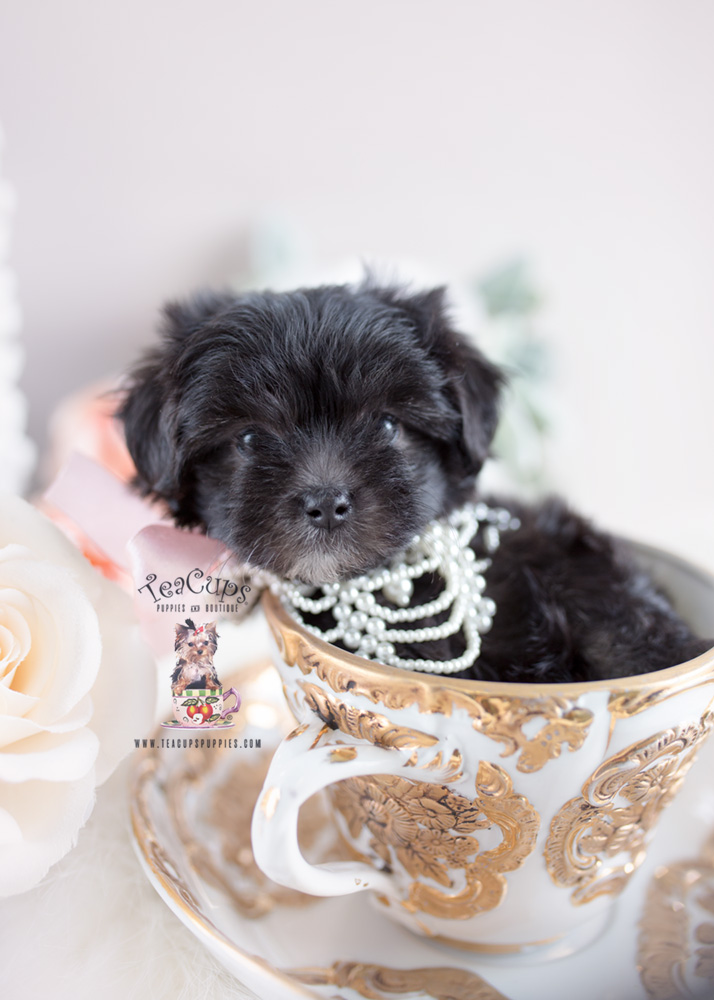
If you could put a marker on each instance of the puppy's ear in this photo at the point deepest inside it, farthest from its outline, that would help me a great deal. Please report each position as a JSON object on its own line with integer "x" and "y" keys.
{"x": 182, "y": 318}
{"x": 149, "y": 437}
{"x": 149, "y": 412}
{"x": 473, "y": 381}
{"x": 181, "y": 633}
{"x": 477, "y": 385}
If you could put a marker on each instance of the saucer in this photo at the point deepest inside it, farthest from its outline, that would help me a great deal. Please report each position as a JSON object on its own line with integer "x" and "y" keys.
{"x": 221, "y": 724}
{"x": 191, "y": 814}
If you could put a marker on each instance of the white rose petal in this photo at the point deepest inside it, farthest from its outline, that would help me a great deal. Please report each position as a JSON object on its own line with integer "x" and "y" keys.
{"x": 14, "y": 630}
{"x": 123, "y": 685}
{"x": 10, "y": 830}
{"x": 70, "y": 651}
{"x": 48, "y": 816}
{"x": 50, "y": 757}
{"x": 64, "y": 629}
{"x": 14, "y": 704}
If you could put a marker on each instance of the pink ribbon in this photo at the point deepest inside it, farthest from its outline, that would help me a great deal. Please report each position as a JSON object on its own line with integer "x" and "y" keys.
{"x": 135, "y": 535}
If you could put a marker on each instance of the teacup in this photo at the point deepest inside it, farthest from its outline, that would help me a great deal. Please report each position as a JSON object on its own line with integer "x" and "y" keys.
{"x": 500, "y": 818}
{"x": 203, "y": 707}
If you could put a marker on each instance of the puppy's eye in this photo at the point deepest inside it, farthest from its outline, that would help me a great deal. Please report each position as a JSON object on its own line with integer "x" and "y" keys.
{"x": 246, "y": 440}
{"x": 390, "y": 426}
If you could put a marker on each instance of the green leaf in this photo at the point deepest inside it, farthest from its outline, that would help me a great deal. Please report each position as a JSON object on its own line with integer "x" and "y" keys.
{"x": 509, "y": 290}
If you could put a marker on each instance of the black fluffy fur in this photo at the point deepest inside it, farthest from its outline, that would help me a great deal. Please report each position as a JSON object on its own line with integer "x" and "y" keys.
{"x": 254, "y": 405}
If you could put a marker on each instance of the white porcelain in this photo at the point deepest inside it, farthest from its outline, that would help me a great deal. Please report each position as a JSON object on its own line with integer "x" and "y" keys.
{"x": 513, "y": 815}
{"x": 310, "y": 947}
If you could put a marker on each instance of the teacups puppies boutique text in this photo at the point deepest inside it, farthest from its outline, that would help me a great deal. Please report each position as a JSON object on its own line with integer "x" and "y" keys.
{"x": 224, "y": 590}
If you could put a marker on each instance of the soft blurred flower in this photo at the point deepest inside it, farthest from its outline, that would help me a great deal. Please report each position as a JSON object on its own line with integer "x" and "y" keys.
{"x": 511, "y": 335}
{"x": 85, "y": 422}
{"x": 77, "y": 686}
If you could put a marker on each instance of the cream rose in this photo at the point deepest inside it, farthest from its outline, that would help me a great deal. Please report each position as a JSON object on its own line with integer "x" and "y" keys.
{"x": 77, "y": 686}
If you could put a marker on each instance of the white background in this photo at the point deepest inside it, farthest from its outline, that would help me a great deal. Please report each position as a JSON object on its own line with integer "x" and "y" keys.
{"x": 147, "y": 140}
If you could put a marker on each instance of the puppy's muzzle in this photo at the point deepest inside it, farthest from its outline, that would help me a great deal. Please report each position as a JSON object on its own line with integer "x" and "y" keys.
{"x": 327, "y": 508}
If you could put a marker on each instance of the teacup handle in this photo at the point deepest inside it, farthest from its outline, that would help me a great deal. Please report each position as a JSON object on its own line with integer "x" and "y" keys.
{"x": 300, "y": 767}
{"x": 230, "y": 711}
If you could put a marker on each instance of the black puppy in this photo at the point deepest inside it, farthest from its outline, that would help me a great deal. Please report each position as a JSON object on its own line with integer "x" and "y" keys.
{"x": 315, "y": 432}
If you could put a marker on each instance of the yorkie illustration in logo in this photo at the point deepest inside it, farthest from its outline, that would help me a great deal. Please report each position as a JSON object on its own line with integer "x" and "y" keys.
{"x": 198, "y": 698}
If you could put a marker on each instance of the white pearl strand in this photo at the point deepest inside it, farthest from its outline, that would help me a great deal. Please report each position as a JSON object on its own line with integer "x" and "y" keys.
{"x": 363, "y": 625}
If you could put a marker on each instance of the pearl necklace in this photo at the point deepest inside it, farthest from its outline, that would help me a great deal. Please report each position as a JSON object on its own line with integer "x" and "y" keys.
{"x": 371, "y": 629}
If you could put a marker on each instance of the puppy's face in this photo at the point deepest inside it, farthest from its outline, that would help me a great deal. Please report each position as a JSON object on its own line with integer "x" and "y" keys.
{"x": 194, "y": 645}
{"x": 313, "y": 432}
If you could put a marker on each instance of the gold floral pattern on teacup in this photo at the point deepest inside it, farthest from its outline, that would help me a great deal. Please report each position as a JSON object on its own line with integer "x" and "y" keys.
{"x": 675, "y": 953}
{"x": 380, "y": 982}
{"x": 227, "y": 861}
{"x": 370, "y": 726}
{"x": 621, "y": 801}
{"x": 431, "y": 831}
{"x": 502, "y": 719}
{"x": 373, "y": 727}
{"x": 626, "y": 704}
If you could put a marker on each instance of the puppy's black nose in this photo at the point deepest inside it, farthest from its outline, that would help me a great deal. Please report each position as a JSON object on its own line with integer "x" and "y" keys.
{"x": 327, "y": 508}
